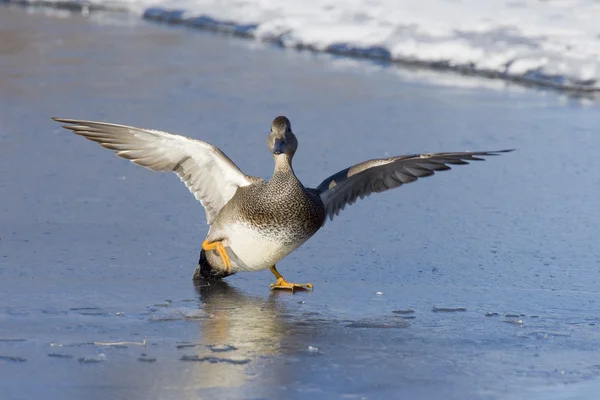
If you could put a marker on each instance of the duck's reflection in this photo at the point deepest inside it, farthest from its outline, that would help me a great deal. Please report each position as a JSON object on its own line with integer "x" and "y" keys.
{"x": 252, "y": 324}
{"x": 236, "y": 336}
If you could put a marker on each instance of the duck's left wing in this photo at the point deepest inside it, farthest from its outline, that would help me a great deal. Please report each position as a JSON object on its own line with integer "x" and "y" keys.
{"x": 206, "y": 171}
{"x": 379, "y": 175}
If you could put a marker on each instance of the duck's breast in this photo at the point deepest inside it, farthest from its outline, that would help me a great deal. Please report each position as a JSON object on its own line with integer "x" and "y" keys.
{"x": 254, "y": 249}
{"x": 265, "y": 222}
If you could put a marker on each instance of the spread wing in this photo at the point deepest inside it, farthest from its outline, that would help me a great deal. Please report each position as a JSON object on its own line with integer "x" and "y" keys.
{"x": 376, "y": 176}
{"x": 206, "y": 171}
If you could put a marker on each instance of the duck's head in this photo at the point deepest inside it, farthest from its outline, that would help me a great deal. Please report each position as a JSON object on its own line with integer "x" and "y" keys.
{"x": 282, "y": 141}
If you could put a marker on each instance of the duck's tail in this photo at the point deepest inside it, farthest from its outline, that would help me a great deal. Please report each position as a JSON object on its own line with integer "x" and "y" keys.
{"x": 205, "y": 271}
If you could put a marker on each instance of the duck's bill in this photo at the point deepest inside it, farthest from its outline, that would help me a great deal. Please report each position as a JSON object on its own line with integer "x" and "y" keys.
{"x": 279, "y": 146}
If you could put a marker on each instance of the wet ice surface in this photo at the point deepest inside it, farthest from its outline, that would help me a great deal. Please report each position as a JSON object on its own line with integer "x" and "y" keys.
{"x": 496, "y": 262}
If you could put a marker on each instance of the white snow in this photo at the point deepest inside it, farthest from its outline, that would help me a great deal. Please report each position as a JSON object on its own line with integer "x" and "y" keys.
{"x": 555, "y": 41}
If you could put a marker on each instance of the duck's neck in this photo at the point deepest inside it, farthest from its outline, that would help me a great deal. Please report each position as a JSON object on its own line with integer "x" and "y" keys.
{"x": 283, "y": 165}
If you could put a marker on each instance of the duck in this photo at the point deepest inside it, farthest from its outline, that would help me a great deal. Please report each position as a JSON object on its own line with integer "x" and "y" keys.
{"x": 254, "y": 223}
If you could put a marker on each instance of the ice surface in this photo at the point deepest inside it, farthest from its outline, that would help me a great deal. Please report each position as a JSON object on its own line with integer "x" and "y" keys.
{"x": 516, "y": 235}
{"x": 553, "y": 43}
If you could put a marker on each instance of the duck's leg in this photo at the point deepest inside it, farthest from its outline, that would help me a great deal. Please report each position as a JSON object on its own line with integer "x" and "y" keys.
{"x": 220, "y": 249}
{"x": 282, "y": 284}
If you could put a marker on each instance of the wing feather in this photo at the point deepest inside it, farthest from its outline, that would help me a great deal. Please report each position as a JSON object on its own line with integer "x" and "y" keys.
{"x": 204, "y": 169}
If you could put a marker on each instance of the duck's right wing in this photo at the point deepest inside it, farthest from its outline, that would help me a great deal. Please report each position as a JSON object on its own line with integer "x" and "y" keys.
{"x": 374, "y": 176}
{"x": 207, "y": 172}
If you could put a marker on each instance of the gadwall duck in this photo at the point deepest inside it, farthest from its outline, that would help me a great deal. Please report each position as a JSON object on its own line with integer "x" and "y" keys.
{"x": 254, "y": 223}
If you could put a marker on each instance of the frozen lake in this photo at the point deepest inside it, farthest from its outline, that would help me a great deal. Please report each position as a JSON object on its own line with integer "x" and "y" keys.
{"x": 488, "y": 275}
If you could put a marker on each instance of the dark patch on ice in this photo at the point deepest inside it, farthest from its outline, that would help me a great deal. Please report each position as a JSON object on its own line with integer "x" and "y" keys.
{"x": 19, "y": 313}
{"x": 449, "y": 309}
{"x": 57, "y": 355}
{"x": 216, "y": 360}
{"x": 186, "y": 345}
{"x": 380, "y": 323}
{"x": 90, "y": 360}
{"x": 91, "y": 311}
{"x": 404, "y": 312}
{"x": 53, "y": 312}
{"x": 12, "y": 358}
{"x": 221, "y": 348}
